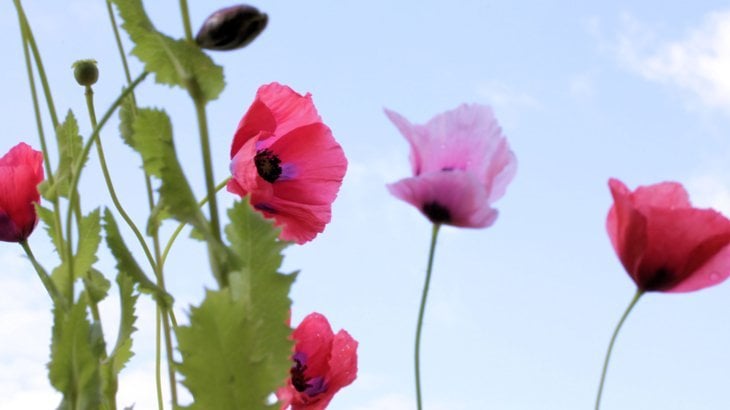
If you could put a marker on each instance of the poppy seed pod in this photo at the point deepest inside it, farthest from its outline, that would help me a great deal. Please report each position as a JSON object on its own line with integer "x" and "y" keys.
{"x": 231, "y": 28}
{"x": 86, "y": 72}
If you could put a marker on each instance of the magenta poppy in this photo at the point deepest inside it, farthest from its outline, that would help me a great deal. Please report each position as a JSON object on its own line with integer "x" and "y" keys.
{"x": 664, "y": 243}
{"x": 461, "y": 164}
{"x": 287, "y": 160}
{"x": 21, "y": 170}
{"x": 324, "y": 363}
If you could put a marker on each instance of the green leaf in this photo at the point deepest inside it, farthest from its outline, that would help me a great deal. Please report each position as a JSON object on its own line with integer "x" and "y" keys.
{"x": 122, "y": 351}
{"x": 49, "y": 220}
{"x": 127, "y": 112}
{"x": 74, "y": 366}
{"x": 89, "y": 239}
{"x": 174, "y": 62}
{"x": 236, "y": 349}
{"x": 153, "y": 140}
{"x": 96, "y": 285}
{"x": 127, "y": 264}
{"x": 69, "y": 150}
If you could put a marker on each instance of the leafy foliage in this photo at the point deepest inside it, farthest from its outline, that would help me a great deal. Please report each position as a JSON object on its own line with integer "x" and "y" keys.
{"x": 75, "y": 355}
{"x": 89, "y": 239}
{"x": 127, "y": 112}
{"x": 69, "y": 150}
{"x": 126, "y": 262}
{"x": 48, "y": 218}
{"x": 174, "y": 62}
{"x": 236, "y": 349}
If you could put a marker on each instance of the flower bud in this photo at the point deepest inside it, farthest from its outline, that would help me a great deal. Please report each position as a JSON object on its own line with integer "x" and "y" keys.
{"x": 86, "y": 72}
{"x": 231, "y": 28}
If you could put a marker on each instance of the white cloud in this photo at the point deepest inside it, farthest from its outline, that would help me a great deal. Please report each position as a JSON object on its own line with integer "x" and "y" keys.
{"x": 396, "y": 401}
{"x": 698, "y": 63}
{"x": 502, "y": 95}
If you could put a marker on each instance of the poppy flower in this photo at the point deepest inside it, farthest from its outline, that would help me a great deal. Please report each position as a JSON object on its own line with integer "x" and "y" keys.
{"x": 21, "y": 170}
{"x": 287, "y": 160}
{"x": 461, "y": 164}
{"x": 664, "y": 243}
{"x": 324, "y": 363}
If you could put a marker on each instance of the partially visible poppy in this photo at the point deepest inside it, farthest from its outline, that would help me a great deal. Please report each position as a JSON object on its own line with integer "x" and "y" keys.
{"x": 664, "y": 243}
{"x": 21, "y": 170}
{"x": 323, "y": 363}
{"x": 287, "y": 160}
{"x": 461, "y": 164}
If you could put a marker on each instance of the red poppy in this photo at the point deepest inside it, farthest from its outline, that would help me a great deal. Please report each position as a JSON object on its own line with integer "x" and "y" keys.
{"x": 324, "y": 363}
{"x": 461, "y": 164}
{"x": 287, "y": 160}
{"x": 664, "y": 243}
{"x": 21, "y": 170}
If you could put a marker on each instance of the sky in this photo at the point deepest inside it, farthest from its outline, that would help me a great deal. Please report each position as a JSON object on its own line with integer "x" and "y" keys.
{"x": 520, "y": 314}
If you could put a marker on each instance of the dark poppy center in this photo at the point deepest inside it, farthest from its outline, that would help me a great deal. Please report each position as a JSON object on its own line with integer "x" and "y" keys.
{"x": 436, "y": 213}
{"x": 298, "y": 380}
{"x": 268, "y": 165}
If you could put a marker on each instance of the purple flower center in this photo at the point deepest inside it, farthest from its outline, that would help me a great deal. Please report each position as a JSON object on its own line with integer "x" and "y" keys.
{"x": 436, "y": 213}
{"x": 311, "y": 386}
{"x": 268, "y": 165}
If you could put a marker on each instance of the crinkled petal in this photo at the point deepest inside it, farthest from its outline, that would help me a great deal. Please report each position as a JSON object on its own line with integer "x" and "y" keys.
{"x": 313, "y": 339}
{"x": 289, "y": 108}
{"x": 458, "y": 192}
{"x": 343, "y": 361}
{"x": 257, "y": 120}
{"x": 626, "y": 227}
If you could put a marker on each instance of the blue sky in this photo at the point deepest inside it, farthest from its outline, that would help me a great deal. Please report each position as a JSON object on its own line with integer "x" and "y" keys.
{"x": 520, "y": 313}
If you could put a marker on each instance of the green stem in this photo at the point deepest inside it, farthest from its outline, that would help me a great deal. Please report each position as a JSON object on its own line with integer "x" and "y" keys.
{"x": 158, "y": 358}
{"x": 41, "y": 133}
{"x": 108, "y": 180}
{"x": 57, "y": 298}
{"x": 39, "y": 63}
{"x": 182, "y": 225}
{"x": 118, "y": 40}
{"x": 635, "y": 299}
{"x": 80, "y": 161}
{"x": 421, "y": 310}
{"x": 186, "y": 20}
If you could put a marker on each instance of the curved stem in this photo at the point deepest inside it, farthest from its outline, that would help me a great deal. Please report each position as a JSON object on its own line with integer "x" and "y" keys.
{"x": 182, "y": 225}
{"x": 610, "y": 345}
{"x": 80, "y": 161}
{"x": 41, "y": 133}
{"x": 57, "y": 298}
{"x": 421, "y": 310}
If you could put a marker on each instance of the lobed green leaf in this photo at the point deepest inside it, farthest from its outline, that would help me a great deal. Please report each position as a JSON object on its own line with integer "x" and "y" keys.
{"x": 236, "y": 350}
{"x": 74, "y": 366}
{"x": 174, "y": 62}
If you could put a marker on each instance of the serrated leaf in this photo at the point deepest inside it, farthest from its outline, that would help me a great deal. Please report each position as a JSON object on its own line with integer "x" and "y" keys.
{"x": 236, "y": 349}
{"x": 127, "y": 112}
{"x": 74, "y": 366}
{"x": 127, "y": 264}
{"x": 61, "y": 278}
{"x": 89, "y": 239}
{"x": 49, "y": 220}
{"x": 174, "y": 62}
{"x": 153, "y": 140}
{"x": 96, "y": 285}
{"x": 69, "y": 151}
{"x": 122, "y": 351}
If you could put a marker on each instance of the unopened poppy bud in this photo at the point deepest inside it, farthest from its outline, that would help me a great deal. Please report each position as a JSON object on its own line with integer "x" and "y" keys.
{"x": 86, "y": 72}
{"x": 231, "y": 28}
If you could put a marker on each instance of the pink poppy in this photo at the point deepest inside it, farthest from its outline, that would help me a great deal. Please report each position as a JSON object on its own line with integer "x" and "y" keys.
{"x": 21, "y": 170}
{"x": 461, "y": 164}
{"x": 324, "y": 363}
{"x": 664, "y": 243}
{"x": 287, "y": 160}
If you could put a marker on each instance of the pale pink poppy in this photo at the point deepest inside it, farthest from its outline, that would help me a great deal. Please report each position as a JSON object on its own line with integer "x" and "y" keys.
{"x": 461, "y": 164}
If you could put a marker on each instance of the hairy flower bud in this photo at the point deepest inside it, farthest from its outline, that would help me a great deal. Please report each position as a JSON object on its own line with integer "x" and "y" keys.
{"x": 86, "y": 72}
{"x": 231, "y": 28}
